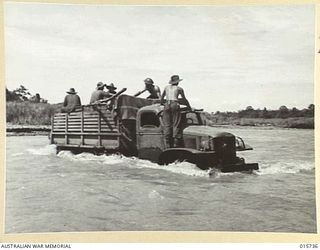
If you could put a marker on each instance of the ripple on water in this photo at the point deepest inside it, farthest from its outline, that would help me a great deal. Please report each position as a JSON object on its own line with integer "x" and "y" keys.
{"x": 153, "y": 194}
{"x": 17, "y": 154}
{"x": 47, "y": 150}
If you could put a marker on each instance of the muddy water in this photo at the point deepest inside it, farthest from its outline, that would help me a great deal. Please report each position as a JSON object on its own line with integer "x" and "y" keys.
{"x": 46, "y": 192}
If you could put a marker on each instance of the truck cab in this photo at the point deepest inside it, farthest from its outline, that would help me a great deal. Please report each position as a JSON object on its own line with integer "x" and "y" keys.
{"x": 202, "y": 145}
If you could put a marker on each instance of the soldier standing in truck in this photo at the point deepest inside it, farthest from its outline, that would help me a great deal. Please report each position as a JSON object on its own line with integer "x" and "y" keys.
{"x": 154, "y": 90}
{"x": 171, "y": 112}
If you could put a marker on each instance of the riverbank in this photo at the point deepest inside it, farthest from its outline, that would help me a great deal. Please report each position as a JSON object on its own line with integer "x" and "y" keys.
{"x": 292, "y": 122}
{"x": 30, "y": 130}
{"x": 27, "y": 118}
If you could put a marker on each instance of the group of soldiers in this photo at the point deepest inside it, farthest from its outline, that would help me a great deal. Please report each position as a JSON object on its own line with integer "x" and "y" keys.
{"x": 170, "y": 98}
{"x": 72, "y": 100}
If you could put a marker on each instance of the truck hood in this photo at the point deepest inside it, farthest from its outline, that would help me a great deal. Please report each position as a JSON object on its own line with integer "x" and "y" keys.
{"x": 205, "y": 131}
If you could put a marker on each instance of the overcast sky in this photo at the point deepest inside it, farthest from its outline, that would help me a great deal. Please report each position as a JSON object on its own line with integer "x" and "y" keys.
{"x": 229, "y": 57}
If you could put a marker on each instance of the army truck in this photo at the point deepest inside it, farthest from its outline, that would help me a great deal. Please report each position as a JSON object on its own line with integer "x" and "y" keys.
{"x": 134, "y": 127}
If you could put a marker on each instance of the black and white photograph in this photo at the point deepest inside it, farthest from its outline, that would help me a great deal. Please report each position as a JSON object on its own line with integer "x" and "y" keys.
{"x": 159, "y": 118}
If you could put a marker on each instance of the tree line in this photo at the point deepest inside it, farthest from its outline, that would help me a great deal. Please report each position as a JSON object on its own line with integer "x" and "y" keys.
{"x": 22, "y": 94}
{"x": 283, "y": 112}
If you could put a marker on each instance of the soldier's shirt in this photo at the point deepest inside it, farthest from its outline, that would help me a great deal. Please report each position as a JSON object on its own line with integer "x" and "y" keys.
{"x": 99, "y": 95}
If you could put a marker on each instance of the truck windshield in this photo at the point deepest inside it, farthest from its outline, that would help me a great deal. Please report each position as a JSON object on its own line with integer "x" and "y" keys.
{"x": 192, "y": 118}
{"x": 149, "y": 120}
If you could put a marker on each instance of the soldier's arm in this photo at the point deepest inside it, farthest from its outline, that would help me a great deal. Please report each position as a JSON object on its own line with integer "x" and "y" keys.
{"x": 162, "y": 97}
{"x": 106, "y": 94}
{"x": 140, "y": 92}
{"x": 158, "y": 91}
{"x": 65, "y": 102}
{"x": 181, "y": 92}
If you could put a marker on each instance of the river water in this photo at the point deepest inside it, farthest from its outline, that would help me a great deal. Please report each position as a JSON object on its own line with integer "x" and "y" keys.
{"x": 46, "y": 192}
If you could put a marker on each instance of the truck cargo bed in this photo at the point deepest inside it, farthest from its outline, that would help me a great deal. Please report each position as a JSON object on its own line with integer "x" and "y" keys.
{"x": 88, "y": 127}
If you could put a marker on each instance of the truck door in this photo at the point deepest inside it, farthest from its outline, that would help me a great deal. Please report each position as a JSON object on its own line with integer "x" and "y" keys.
{"x": 150, "y": 142}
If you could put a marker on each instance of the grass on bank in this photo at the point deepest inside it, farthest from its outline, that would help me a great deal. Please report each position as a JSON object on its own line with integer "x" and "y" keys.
{"x": 28, "y": 113}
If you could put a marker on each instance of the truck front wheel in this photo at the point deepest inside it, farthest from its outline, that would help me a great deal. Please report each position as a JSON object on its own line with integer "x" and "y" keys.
{"x": 173, "y": 156}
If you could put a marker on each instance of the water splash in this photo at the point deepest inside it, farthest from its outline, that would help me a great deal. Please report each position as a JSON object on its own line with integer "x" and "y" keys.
{"x": 47, "y": 150}
{"x": 88, "y": 157}
{"x": 186, "y": 168}
{"x": 286, "y": 168}
{"x": 66, "y": 155}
